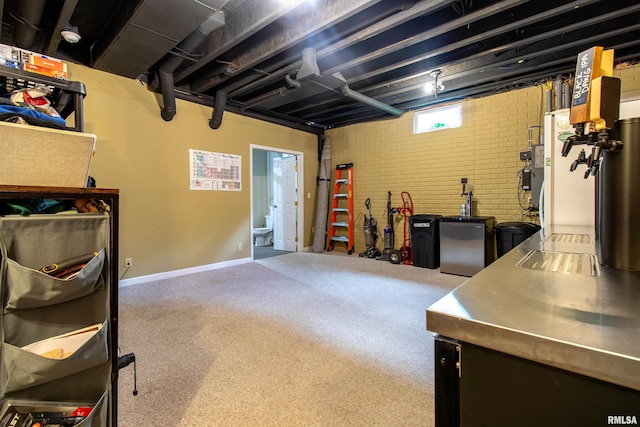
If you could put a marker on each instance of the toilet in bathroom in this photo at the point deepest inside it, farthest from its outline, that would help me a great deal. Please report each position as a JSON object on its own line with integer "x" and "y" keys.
{"x": 263, "y": 236}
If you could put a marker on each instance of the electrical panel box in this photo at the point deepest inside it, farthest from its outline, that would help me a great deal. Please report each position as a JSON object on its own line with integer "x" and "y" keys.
{"x": 537, "y": 173}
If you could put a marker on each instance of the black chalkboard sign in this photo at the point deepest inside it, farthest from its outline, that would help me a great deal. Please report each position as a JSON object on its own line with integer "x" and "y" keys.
{"x": 584, "y": 73}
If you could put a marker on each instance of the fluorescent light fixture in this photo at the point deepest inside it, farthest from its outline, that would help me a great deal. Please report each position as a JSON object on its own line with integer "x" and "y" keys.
{"x": 434, "y": 86}
{"x": 429, "y": 87}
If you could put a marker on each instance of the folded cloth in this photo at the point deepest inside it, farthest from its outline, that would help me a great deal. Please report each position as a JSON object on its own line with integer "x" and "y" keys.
{"x": 28, "y": 113}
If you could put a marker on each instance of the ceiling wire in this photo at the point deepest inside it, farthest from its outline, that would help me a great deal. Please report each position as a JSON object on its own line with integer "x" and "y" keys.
{"x": 188, "y": 54}
{"x": 21, "y": 19}
{"x": 461, "y": 5}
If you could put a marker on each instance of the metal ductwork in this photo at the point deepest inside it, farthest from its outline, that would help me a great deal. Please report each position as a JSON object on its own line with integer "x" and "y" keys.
{"x": 309, "y": 69}
{"x": 212, "y": 23}
{"x": 143, "y": 31}
{"x": 364, "y": 99}
{"x": 28, "y": 17}
{"x": 172, "y": 62}
{"x": 309, "y": 82}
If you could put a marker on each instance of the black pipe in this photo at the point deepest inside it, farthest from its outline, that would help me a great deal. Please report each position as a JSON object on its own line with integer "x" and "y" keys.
{"x": 291, "y": 122}
{"x": 172, "y": 62}
{"x": 28, "y": 17}
{"x": 169, "y": 110}
{"x": 218, "y": 109}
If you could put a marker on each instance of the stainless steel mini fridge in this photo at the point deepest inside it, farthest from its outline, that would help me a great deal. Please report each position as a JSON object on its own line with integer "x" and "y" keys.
{"x": 467, "y": 244}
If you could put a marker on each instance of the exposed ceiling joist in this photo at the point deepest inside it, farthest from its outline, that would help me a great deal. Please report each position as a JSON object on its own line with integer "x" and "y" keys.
{"x": 244, "y": 23}
{"x": 291, "y": 32}
{"x": 373, "y": 57}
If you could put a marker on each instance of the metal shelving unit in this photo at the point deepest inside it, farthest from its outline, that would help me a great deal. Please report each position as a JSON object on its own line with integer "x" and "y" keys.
{"x": 66, "y": 96}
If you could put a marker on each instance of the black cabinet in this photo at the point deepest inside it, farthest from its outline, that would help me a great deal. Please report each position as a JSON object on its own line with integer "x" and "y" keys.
{"x": 447, "y": 382}
{"x": 476, "y": 386}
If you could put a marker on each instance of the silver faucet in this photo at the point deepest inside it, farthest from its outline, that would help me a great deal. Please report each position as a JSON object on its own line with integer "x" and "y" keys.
{"x": 468, "y": 199}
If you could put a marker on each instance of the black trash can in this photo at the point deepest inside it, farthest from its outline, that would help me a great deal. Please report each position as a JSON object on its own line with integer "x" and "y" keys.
{"x": 425, "y": 240}
{"x": 511, "y": 234}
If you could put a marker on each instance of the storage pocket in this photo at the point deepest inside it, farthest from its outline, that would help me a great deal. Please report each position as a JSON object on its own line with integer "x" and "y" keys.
{"x": 28, "y": 288}
{"x": 21, "y": 410}
{"x": 22, "y": 369}
{"x": 98, "y": 416}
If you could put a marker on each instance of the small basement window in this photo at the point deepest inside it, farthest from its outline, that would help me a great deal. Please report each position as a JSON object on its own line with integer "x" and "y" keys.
{"x": 436, "y": 119}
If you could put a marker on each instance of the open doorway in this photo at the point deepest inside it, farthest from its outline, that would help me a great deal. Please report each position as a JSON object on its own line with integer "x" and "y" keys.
{"x": 276, "y": 219}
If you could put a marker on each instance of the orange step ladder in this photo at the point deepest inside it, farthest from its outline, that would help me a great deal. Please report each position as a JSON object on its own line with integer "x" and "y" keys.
{"x": 340, "y": 225}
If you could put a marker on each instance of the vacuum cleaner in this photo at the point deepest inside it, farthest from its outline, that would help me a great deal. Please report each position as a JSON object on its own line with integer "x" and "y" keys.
{"x": 370, "y": 228}
{"x": 389, "y": 250}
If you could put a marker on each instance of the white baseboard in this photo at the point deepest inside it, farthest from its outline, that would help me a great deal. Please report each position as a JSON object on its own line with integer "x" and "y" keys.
{"x": 182, "y": 272}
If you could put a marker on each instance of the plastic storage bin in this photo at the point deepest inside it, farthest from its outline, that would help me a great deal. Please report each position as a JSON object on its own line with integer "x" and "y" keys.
{"x": 511, "y": 234}
{"x": 425, "y": 240}
{"x": 39, "y": 156}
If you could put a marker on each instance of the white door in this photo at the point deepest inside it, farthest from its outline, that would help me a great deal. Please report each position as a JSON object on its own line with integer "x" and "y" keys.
{"x": 285, "y": 204}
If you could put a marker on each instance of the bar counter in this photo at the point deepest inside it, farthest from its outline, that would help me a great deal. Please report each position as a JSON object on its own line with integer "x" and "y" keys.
{"x": 549, "y": 301}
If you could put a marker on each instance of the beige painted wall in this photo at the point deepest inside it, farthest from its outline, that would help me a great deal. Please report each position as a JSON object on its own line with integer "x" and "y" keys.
{"x": 164, "y": 226}
{"x": 387, "y": 156}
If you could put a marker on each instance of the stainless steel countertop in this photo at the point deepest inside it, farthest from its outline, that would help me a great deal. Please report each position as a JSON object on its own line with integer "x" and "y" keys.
{"x": 587, "y": 325}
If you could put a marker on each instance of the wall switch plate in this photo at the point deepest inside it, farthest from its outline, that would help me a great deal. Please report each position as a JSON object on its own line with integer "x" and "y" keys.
{"x": 240, "y": 246}
{"x": 525, "y": 155}
{"x": 526, "y": 179}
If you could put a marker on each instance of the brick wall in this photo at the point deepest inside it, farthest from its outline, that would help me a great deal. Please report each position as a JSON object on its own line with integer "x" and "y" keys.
{"x": 387, "y": 156}
{"x": 629, "y": 76}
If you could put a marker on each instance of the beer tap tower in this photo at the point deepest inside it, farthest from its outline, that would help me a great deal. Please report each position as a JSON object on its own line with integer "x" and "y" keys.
{"x": 594, "y": 116}
{"x": 594, "y": 109}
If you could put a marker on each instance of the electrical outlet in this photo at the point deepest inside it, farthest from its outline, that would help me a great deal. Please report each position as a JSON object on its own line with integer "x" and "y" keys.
{"x": 240, "y": 246}
{"x": 128, "y": 262}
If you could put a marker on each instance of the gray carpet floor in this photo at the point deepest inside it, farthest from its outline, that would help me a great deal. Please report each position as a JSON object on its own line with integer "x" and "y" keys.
{"x": 302, "y": 339}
